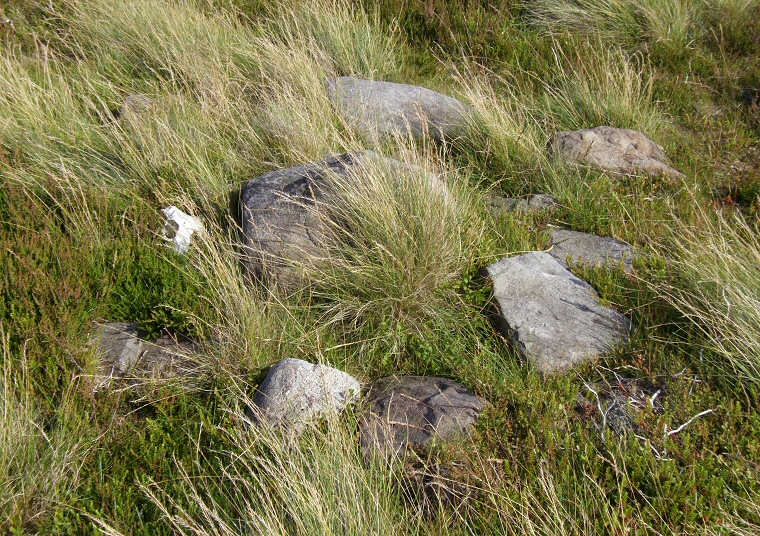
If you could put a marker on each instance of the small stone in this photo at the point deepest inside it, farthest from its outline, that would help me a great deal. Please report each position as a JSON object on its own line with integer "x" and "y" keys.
{"x": 379, "y": 110}
{"x": 530, "y": 204}
{"x": 551, "y": 317}
{"x": 414, "y": 411}
{"x": 591, "y": 250}
{"x": 125, "y": 352}
{"x": 296, "y": 393}
{"x": 618, "y": 150}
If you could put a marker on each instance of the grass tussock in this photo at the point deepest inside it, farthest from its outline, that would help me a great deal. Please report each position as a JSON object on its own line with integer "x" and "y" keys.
{"x": 716, "y": 266}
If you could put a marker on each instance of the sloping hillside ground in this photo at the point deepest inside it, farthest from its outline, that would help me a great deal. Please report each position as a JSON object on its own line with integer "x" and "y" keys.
{"x": 112, "y": 110}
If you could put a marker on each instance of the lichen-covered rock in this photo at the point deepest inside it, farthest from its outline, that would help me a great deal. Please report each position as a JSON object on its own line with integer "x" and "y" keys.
{"x": 125, "y": 352}
{"x": 414, "y": 411}
{"x": 378, "y": 109}
{"x": 553, "y": 318}
{"x": 296, "y": 393}
{"x": 591, "y": 250}
{"x": 617, "y": 150}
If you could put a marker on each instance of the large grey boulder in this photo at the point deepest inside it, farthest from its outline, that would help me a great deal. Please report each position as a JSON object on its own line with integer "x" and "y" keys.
{"x": 378, "y": 109}
{"x": 591, "y": 250}
{"x": 617, "y": 150}
{"x": 296, "y": 393}
{"x": 414, "y": 411}
{"x": 285, "y": 212}
{"x": 124, "y": 351}
{"x": 553, "y": 318}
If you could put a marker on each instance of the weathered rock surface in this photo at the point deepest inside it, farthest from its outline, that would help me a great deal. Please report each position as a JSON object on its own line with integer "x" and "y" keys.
{"x": 553, "y": 318}
{"x": 126, "y": 352}
{"x": 414, "y": 411}
{"x": 531, "y": 203}
{"x": 613, "y": 149}
{"x": 285, "y": 212}
{"x": 378, "y": 109}
{"x": 591, "y": 250}
{"x": 617, "y": 404}
{"x": 296, "y": 393}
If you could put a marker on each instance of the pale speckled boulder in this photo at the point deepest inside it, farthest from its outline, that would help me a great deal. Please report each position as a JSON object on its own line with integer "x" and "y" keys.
{"x": 296, "y": 393}
{"x": 379, "y": 109}
{"x": 591, "y": 250}
{"x": 617, "y": 150}
{"x": 553, "y": 318}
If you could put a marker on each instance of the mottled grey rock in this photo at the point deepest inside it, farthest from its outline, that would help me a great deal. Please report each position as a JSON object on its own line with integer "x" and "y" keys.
{"x": 413, "y": 411}
{"x": 378, "y": 109}
{"x": 591, "y": 250}
{"x": 285, "y": 212}
{"x": 134, "y": 107}
{"x": 553, "y": 318}
{"x": 125, "y": 352}
{"x": 296, "y": 393}
{"x": 531, "y": 203}
{"x": 616, "y": 405}
{"x": 613, "y": 149}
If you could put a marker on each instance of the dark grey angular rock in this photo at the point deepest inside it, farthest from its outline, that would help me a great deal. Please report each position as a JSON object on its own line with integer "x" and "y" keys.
{"x": 531, "y": 203}
{"x": 125, "y": 352}
{"x": 285, "y": 213}
{"x": 618, "y": 150}
{"x": 553, "y": 318}
{"x": 296, "y": 393}
{"x": 591, "y": 250}
{"x": 414, "y": 411}
{"x": 378, "y": 109}
{"x": 283, "y": 231}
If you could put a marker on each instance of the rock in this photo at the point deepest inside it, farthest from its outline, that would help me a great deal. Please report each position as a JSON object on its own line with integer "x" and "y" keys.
{"x": 591, "y": 250}
{"x": 126, "y": 352}
{"x": 437, "y": 489}
{"x": 553, "y": 318}
{"x": 616, "y": 405}
{"x": 750, "y": 96}
{"x": 134, "y": 107}
{"x": 285, "y": 211}
{"x": 613, "y": 149}
{"x": 180, "y": 228}
{"x": 531, "y": 204}
{"x": 296, "y": 393}
{"x": 378, "y": 110}
{"x": 414, "y": 411}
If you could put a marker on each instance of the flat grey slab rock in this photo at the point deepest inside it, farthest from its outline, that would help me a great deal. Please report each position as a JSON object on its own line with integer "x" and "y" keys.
{"x": 296, "y": 393}
{"x": 285, "y": 212}
{"x": 414, "y": 411}
{"x": 125, "y": 352}
{"x": 530, "y": 204}
{"x": 379, "y": 109}
{"x": 617, "y": 150}
{"x": 591, "y": 250}
{"x": 553, "y": 318}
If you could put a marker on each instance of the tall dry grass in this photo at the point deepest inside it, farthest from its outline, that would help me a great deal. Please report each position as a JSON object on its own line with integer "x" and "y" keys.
{"x": 717, "y": 288}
